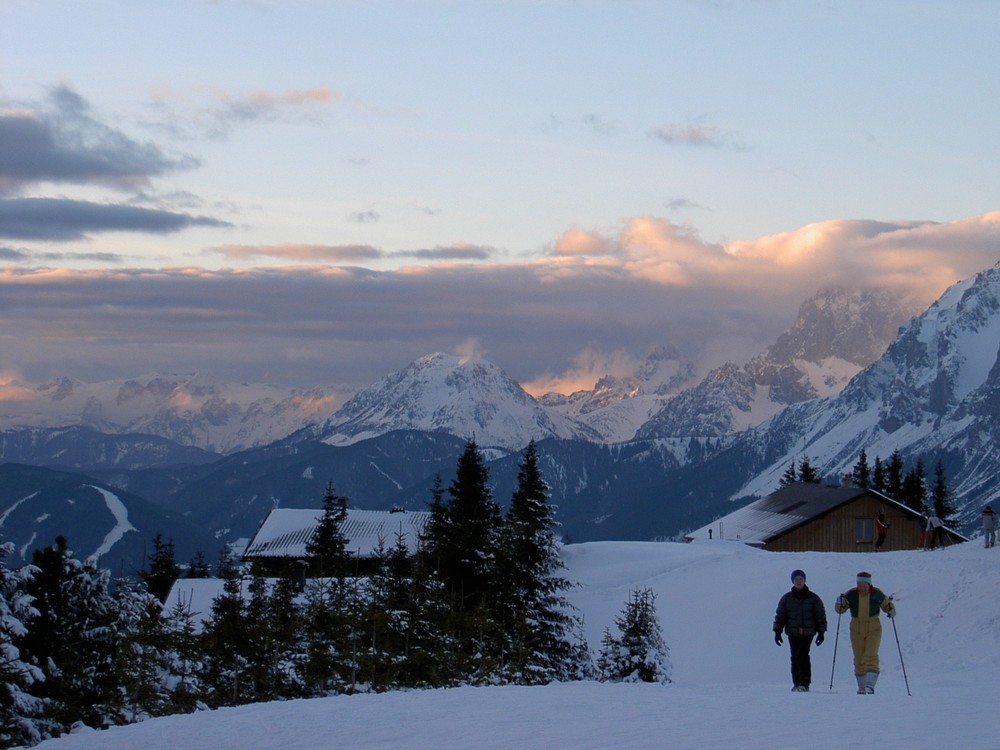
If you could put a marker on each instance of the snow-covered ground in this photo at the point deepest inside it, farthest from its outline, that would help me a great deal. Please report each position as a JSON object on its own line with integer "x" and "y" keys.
{"x": 731, "y": 685}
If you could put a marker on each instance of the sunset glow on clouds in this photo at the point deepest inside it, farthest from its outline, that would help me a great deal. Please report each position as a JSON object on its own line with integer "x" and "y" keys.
{"x": 321, "y": 193}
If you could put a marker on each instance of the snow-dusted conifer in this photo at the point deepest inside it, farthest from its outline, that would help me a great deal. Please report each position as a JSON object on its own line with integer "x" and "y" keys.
{"x": 638, "y": 653}
{"x": 183, "y": 658}
{"x": 73, "y": 638}
{"x": 20, "y": 711}
{"x": 140, "y": 655}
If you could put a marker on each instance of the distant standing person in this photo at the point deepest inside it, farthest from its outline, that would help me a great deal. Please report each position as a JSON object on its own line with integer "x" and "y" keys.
{"x": 935, "y": 531}
{"x": 881, "y": 526}
{"x": 865, "y": 601}
{"x": 989, "y": 527}
{"x": 801, "y": 615}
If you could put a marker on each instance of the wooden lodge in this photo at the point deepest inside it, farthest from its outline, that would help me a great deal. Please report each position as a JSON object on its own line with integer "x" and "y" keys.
{"x": 808, "y": 517}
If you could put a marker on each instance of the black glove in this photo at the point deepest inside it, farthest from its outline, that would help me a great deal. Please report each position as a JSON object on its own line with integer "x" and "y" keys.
{"x": 777, "y": 638}
{"x": 841, "y": 601}
{"x": 819, "y": 639}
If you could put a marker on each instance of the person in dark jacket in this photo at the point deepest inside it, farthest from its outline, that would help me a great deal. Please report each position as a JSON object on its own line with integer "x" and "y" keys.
{"x": 801, "y": 616}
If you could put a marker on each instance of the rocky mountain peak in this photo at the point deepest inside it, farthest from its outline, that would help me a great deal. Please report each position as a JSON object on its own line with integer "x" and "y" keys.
{"x": 463, "y": 396}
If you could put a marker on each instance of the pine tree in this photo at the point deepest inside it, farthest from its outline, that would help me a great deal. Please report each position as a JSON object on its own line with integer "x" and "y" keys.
{"x": 879, "y": 482}
{"x": 226, "y": 638}
{"x": 184, "y": 659}
{"x": 21, "y": 712}
{"x": 535, "y": 614}
{"x": 273, "y": 639}
{"x": 142, "y": 639}
{"x": 163, "y": 568}
{"x": 328, "y": 655}
{"x": 432, "y": 650}
{"x": 789, "y": 477}
{"x": 638, "y": 653}
{"x": 198, "y": 567}
{"x": 471, "y": 535}
{"x": 861, "y": 474}
{"x": 388, "y": 615}
{"x": 894, "y": 476}
{"x": 72, "y": 638}
{"x": 807, "y": 473}
{"x": 327, "y": 548}
{"x": 913, "y": 488}
{"x": 941, "y": 495}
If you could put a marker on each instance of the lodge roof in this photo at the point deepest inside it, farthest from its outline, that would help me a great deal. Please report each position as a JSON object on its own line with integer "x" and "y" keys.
{"x": 286, "y": 531}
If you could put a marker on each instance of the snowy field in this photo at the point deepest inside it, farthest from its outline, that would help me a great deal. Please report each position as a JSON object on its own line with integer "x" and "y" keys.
{"x": 731, "y": 685}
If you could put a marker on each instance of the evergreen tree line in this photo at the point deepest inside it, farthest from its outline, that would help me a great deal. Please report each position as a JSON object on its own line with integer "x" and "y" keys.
{"x": 892, "y": 479}
{"x": 481, "y": 602}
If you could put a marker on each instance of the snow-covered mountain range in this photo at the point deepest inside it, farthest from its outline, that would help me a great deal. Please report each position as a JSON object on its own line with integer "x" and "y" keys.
{"x": 934, "y": 395}
{"x": 192, "y": 410}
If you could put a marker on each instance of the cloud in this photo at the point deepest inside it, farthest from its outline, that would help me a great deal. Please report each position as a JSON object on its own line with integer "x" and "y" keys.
{"x": 694, "y": 134}
{"x": 59, "y": 141}
{"x": 470, "y": 348}
{"x": 459, "y": 251}
{"x": 348, "y": 253}
{"x": 10, "y": 254}
{"x": 589, "y": 366}
{"x": 917, "y": 258}
{"x": 599, "y": 125}
{"x": 561, "y": 318}
{"x": 580, "y": 242}
{"x": 299, "y": 252}
{"x": 60, "y": 219}
{"x": 680, "y": 203}
{"x": 215, "y": 112}
{"x": 364, "y": 217}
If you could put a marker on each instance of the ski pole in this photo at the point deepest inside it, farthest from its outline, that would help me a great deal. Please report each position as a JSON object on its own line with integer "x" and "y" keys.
{"x": 898, "y": 648}
{"x": 836, "y": 640}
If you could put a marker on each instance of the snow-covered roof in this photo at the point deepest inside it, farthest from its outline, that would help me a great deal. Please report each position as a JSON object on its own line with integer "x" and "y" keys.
{"x": 778, "y": 513}
{"x": 286, "y": 531}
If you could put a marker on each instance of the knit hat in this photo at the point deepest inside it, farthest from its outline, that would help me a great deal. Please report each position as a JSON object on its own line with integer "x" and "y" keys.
{"x": 864, "y": 577}
{"x": 797, "y": 573}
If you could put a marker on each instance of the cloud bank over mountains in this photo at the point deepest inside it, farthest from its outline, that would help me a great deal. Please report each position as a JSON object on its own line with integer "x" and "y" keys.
{"x": 595, "y": 297}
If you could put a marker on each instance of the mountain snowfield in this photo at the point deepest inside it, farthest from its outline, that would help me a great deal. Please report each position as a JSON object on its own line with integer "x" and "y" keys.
{"x": 731, "y": 683}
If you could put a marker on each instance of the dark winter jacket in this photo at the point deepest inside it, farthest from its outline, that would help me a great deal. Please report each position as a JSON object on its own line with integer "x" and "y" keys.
{"x": 800, "y": 612}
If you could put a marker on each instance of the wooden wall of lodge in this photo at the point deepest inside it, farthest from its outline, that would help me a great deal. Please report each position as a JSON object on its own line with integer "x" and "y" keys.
{"x": 835, "y": 532}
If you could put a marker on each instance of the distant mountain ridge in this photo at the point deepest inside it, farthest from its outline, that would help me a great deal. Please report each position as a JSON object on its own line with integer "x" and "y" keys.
{"x": 189, "y": 409}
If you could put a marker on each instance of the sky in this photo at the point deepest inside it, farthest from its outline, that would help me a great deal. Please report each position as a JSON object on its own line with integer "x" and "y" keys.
{"x": 731, "y": 685}
{"x": 309, "y": 193}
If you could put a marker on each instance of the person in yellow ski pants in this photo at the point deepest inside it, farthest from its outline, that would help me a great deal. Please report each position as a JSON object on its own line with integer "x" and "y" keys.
{"x": 865, "y": 603}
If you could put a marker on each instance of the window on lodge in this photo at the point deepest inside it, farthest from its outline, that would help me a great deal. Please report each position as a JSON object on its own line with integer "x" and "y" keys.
{"x": 863, "y": 530}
